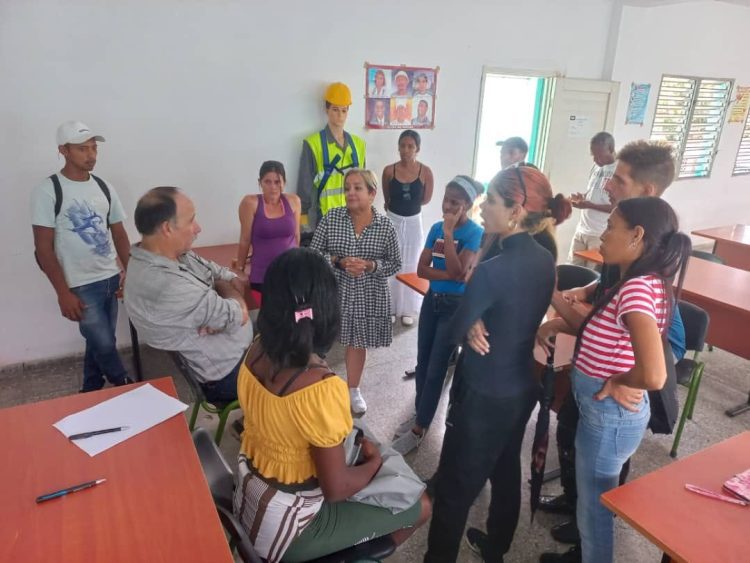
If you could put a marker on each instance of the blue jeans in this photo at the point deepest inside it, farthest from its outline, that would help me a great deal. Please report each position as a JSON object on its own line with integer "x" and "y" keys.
{"x": 607, "y": 436}
{"x": 433, "y": 352}
{"x": 98, "y": 328}
{"x": 223, "y": 391}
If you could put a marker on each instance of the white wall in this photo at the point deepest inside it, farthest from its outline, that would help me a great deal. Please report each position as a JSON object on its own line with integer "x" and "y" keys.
{"x": 706, "y": 39}
{"x": 197, "y": 93}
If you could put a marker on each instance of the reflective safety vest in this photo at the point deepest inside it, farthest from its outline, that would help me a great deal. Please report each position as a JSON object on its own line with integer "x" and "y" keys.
{"x": 332, "y": 163}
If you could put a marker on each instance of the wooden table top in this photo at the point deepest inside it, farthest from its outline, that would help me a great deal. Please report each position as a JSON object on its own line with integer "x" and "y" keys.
{"x": 721, "y": 284}
{"x": 412, "y": 280}
{"x": 222, "y": 254}
{"x": 155, "y": 505}
{"x": 737, "y": 234}
{"x": 685, "y": 525}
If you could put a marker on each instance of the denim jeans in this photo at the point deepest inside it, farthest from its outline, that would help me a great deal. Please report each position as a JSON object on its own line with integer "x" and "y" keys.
{"x": 98, "y": 328}
{"x": 223, "y": 391}
{"x": 607, "y": 436}
{"x": 433, "y": 352}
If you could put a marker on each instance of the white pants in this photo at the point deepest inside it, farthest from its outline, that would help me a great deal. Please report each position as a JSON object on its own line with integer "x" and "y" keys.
{"x": 404, "y": 300}
{"x": 582, "y": 242}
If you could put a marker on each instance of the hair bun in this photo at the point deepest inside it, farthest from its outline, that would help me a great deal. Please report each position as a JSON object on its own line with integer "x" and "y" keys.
{"x": 560, "y": 208}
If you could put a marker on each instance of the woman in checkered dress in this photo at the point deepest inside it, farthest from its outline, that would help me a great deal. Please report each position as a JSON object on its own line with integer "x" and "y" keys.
{"x": 362, "y": 246}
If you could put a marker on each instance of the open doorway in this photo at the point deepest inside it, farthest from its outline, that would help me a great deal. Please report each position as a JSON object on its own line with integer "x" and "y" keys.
{"x": 512, "y": 105}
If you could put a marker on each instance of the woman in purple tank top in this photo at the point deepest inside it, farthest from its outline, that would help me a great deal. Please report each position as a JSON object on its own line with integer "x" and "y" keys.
{"x": 269, "y": 223}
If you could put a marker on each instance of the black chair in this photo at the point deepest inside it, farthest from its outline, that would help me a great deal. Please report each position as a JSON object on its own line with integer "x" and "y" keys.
{"x": 707, "y": 256}
{"x": 690, "y": 371}
{"x": 570, "y": 276}
{"x": 221, "y": 483}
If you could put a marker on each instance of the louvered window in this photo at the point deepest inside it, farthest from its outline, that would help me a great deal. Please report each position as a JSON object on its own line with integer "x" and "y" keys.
{"x": 742, "y": 164}
{"x": 689, "y": 115}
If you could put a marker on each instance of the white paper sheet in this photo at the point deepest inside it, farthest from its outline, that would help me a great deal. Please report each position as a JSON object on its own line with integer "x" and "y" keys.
{"x": 140, "y": 409}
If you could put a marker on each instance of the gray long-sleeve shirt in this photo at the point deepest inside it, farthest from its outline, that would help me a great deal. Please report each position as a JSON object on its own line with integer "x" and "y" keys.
{"x": 170, "y": 301}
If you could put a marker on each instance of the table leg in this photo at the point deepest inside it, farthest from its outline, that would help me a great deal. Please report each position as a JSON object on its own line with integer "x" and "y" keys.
{"x": 136, "y": 352}
{"x": 739, "y": 409}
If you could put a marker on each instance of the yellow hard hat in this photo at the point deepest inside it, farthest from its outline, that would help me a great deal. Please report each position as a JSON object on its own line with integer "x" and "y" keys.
{"x": 338, "y": 94}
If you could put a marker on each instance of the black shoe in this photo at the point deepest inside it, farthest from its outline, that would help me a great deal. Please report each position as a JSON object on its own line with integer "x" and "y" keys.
{"x": 573, "y": 555}
{"x": 239, "y": 426}
{"x": 555, "y": 505}
{"x": 478, "y": 541}
{"x": 567, "y": 532}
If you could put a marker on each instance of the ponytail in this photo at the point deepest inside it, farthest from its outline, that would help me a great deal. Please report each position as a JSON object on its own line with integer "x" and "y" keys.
{"x": 559, "y": 208}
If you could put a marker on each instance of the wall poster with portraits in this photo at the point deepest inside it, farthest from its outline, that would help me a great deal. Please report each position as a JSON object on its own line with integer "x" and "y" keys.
{"x": 400, "y": 97}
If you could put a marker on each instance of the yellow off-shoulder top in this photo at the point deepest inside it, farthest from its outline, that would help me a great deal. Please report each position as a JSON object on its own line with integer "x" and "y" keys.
{"x": 279, "y": 431}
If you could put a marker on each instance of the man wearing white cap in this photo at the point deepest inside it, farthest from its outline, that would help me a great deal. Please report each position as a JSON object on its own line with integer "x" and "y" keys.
{"x": 78, "y": 236}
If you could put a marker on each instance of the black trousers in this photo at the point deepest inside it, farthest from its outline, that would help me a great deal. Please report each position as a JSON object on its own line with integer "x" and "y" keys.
{"x": 567, "y": 423}
{"x": 482, "y": 441}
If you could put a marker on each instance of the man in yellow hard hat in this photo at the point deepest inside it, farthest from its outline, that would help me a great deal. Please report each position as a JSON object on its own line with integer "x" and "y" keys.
{"x": 326, "y": 156}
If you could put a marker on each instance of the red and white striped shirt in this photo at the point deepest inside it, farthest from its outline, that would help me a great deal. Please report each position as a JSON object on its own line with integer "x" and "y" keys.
{"x": 606, "y": 348}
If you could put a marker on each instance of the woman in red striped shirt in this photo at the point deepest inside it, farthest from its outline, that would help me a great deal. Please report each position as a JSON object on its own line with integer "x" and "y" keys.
{"x": 619, "y": 356}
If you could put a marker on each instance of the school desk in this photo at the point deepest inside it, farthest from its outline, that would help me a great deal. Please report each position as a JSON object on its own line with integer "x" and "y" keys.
{"x": 155, "y": 505}
{"x": 731, "y": 243}
{"x": 684, "y": 525}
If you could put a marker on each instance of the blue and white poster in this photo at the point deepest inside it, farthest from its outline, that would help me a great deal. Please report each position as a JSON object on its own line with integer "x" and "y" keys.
{"x": 637, "y": 103}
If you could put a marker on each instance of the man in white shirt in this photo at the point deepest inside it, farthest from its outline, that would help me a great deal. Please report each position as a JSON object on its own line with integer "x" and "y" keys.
{"x": 594, "y": 204}
{"x": 78, "y": 236}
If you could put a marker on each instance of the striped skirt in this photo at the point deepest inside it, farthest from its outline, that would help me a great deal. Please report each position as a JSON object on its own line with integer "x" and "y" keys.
{"x": 271, "y": 517}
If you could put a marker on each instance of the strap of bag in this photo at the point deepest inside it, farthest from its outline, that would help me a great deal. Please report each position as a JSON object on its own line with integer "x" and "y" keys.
{"x": 59, "y": 196}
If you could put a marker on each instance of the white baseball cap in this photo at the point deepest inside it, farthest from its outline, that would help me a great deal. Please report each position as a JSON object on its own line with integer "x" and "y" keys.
{"x": 76, "y": 132}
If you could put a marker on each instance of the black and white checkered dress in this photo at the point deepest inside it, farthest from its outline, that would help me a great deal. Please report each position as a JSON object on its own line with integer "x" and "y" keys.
{"x": 365, "y": 300}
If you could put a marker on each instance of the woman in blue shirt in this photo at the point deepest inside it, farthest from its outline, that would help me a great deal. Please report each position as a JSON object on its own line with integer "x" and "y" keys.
{"x": 449, "y": 250}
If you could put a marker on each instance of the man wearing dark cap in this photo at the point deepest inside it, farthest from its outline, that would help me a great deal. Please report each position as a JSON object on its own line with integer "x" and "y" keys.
{"x": 512, "y": 152}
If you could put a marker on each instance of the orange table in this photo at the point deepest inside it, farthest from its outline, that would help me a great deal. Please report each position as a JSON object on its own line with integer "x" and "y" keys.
{"x": 155, "y": 505}
{"x": 731, "y": 243}
{"x": 223, "y": 254}
{"x": 420, "y": 285}
{"x": 684, "y": 525}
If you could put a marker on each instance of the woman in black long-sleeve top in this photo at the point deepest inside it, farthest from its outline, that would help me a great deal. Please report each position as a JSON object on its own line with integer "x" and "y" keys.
{"x": 494, "y": 391}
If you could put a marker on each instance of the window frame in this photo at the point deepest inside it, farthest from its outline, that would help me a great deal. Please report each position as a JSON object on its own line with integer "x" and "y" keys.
{"x": 745, "y": 132}
{"x": 679, "y": 149}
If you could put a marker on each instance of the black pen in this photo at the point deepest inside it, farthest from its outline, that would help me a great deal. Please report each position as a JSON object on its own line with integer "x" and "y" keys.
{"x": 75, "y": 489}
{"x": 96, "y": 433}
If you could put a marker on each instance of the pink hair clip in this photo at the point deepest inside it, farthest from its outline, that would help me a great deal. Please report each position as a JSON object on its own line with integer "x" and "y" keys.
{"x": 303, "y": 314}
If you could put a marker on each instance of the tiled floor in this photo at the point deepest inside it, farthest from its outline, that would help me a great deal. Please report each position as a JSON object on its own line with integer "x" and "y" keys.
{"x": 726, "y": 383}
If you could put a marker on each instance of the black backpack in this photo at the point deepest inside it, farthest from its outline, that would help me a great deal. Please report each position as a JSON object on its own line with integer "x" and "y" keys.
{"x": 59, "y": 198}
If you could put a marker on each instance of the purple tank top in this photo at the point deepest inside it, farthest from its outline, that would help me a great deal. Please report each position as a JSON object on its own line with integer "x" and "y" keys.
{"x": 270, "y": 237}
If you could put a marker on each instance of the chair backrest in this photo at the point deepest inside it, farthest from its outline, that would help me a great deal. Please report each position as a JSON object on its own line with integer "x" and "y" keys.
{"x": 570, "y": 276}
{"x": 218, "y": 473}
{"x": 696, "y": 322}
{"x": 707, "y": 256}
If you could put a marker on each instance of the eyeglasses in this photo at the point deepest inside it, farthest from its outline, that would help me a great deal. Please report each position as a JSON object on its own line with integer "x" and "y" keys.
{"x": 523, "y": 185}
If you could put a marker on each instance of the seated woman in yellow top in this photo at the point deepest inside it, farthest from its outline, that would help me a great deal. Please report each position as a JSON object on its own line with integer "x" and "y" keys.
{"x": 293, "y": 479}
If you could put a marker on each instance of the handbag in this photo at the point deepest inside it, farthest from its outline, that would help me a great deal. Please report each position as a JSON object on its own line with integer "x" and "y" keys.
{"x": 395, "y": 486}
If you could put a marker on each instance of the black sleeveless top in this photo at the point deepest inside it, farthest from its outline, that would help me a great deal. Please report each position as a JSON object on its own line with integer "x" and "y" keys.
{"x": 406, "y": 199}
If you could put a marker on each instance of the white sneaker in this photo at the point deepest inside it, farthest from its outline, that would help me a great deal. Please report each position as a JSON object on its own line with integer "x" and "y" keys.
{"x": 407, "y": 442}
{"x": 358, "y": 404}
{"x": 405, "y": 426}
{"x": 393, "y": 319}
{"x": 407, "y": 320}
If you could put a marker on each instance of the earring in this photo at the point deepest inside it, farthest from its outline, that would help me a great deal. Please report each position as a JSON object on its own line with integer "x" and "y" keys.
{"x": 512, "y": 225}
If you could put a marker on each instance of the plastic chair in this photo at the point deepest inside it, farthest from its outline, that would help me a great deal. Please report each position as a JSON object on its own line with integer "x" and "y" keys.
{"x": 570, "y": 276}
{"x": 222, "y": 410}
{"x": 221, "y": 483}
{"x": 707, "y": 256}
{"x": 690, "y": 371}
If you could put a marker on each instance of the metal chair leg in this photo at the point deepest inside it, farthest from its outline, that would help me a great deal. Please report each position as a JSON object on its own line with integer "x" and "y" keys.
{"x": 136, "y": 352}
{"x": 194, "y": 415}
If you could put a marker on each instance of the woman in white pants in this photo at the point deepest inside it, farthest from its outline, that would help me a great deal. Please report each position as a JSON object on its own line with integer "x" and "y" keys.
{"x": 407, "y": 186}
